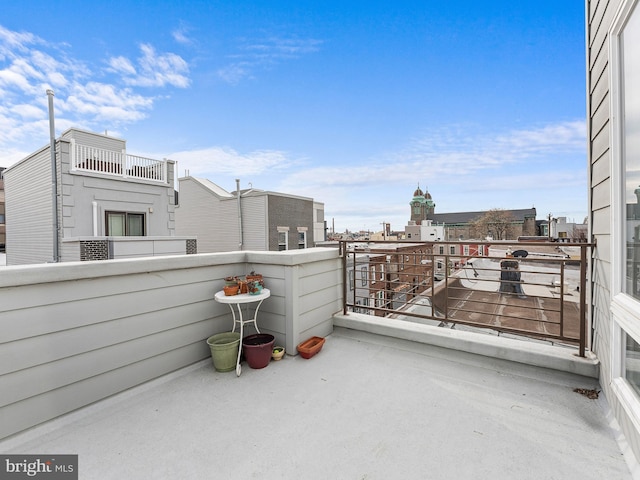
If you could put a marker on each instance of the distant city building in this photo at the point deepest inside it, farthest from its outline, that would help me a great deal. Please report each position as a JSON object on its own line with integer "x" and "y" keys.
{"x": 251, "y": 219}
{"x": 2, "y": 212}
{"x": 458, "y": 226}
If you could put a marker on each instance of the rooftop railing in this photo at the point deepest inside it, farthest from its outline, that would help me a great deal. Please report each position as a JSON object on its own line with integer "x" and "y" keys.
{"x": 119, "y": 164}
{"x": 536, "y": 290}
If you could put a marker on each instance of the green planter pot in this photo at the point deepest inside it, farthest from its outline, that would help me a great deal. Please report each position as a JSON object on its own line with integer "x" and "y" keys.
{"x": 224, "y": 350}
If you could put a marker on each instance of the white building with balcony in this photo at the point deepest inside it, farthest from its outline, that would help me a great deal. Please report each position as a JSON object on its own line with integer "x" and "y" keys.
{"x": 107, "y": 203}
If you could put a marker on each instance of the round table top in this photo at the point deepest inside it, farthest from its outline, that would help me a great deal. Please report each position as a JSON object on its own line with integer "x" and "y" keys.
{"x": 242, "y": 297}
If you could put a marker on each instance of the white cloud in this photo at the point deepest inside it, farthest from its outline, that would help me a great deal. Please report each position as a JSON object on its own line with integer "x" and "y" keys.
{"x": 122, "y": 65}
{"x": 154, "y": 69}
{"x": 87, "y": 95}
{"x": 181, "y": 35}
{"x": 227, "y": 161}
{"x": 28, "y": 111}
{"x": 253, "y": 55}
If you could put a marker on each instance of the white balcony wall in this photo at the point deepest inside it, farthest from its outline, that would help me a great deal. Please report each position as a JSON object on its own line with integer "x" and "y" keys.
{"x": 74, "y": 333}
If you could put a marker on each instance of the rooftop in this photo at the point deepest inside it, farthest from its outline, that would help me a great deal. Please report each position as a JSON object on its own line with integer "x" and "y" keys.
{"x": 367, "y": 406}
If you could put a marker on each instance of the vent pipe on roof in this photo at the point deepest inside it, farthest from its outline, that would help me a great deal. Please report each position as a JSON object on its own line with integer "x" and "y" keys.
{"x": 239, "y": 214}
{"x": 54, "y": 179}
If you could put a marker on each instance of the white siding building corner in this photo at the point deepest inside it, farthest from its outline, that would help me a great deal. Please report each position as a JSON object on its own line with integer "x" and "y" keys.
{"x": 613, "y": 123}
{"x": 257, "y": 220}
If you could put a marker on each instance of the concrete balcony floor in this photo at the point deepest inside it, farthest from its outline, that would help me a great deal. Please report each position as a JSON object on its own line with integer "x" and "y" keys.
{"x": 366, "y": 407}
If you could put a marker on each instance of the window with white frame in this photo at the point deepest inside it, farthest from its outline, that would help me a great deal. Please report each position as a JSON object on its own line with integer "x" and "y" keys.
{"x": 441, "y": 249}
{"x": 363, "y": 276}
{"x": 302, "y": 237}
{"x": 452, "y": 250}
{"x": 625, "y": 153}
{"x": 283, "y": 238}
{"x": 466, "y": 250}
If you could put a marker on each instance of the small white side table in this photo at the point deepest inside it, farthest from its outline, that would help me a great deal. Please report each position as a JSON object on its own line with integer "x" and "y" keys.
{"x": 238, "y": 301}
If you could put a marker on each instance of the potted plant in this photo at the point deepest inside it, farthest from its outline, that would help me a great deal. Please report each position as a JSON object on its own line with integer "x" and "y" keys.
{"x": 257, "y": 349}
{"x": 310, "y": 347}
{"x": 230, "y": 290}
{"x": 278, "y": 353}
{"x": 255, "y": 277}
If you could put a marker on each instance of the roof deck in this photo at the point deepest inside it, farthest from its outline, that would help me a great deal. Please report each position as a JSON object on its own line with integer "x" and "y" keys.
{"x": 367, "y": 406}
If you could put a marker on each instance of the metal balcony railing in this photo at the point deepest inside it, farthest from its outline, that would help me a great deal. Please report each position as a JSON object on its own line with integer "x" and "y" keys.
{"x": 533, "y": 289}
{"x": 118, "y": 164}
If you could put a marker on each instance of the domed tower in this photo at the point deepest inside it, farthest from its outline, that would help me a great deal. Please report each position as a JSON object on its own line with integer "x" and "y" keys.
{"x": 422, "y": 206}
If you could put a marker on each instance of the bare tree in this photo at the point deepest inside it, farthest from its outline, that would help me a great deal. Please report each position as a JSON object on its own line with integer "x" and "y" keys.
{"x": 496, "y": 223}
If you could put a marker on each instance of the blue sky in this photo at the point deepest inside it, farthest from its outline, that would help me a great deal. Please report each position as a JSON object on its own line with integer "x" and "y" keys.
{"x": 352, "y": 103}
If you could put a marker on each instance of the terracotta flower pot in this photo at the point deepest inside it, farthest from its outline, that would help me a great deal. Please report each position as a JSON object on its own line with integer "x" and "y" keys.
{"x": 230, "y": 290}
{"x": 310, "y": 347}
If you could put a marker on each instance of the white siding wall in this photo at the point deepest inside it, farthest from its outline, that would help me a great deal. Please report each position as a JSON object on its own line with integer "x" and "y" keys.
{"x": 95, "y": 140}
{"x": 255, "y": 234}
{"x": 600, "y": 15}
{"x": 203, "y": 214}
{"x": 29, "y": 210}
{"x": 74, "y": 333}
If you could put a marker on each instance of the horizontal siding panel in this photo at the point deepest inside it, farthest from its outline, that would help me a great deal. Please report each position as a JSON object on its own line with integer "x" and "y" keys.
{"x": 600, "y": 156}
{"x": 601, "y": 221}
{"x": 67, "y": 370}
{"x": 602, "y": 252}
{"x": 38, "y": 409}
{"x": 57, "y": 345}
{"x": 45, "y": 319}
{"x": 309, "y": 320}
{"x": 311, "y": 284}
{"x": 601, "y": 195}
{"x": 95, "y": 140}
{"x": 600, "y": 88}
{"x": 600, "y": 118}
{"x": 54, "y": 292}
{"x": 326, "y": 296}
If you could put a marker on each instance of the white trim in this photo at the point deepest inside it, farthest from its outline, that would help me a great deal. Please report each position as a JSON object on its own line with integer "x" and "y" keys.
{"x": 624, "y": 308}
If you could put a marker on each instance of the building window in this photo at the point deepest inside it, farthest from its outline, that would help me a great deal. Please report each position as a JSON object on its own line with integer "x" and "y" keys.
{"x": 121, "y": 224}
{"x": 283, "y": 238}
{"x": 452, "y": 250}
{"x": 373, "y": 274}
{"x": 363, "y": 276}
{"x": 350, "y": 279}
{"x": 466, "y": 250}
{"x": 282, "y": 241}
{"x": 302, "y": 239}
{"x": 630, "y": 151}
{"x": 441, "y": 249}
{"x": 625, "y": 179}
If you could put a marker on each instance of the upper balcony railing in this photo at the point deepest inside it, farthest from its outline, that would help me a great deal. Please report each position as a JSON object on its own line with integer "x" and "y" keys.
{"x": 109, "y": 162}
{"x": 524, "y": 288}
